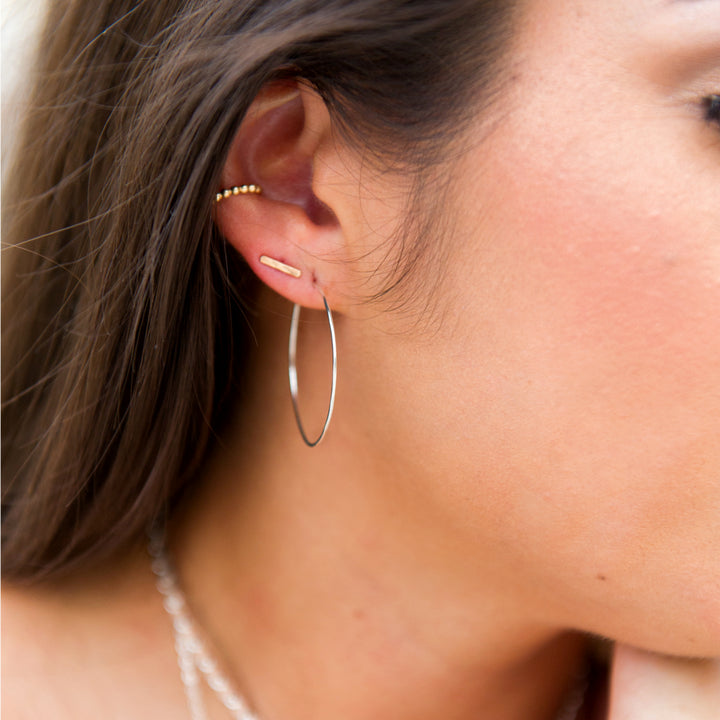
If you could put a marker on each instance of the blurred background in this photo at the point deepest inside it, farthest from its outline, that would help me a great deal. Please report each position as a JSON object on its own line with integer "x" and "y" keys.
{"x": 19, "y": 25}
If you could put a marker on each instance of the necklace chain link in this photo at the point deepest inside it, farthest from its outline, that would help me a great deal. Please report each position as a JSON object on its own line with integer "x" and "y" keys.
{"x": 193, "y": 658}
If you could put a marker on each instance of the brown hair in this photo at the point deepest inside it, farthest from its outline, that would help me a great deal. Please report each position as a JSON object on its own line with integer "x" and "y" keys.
{"x": 122, "y": 308}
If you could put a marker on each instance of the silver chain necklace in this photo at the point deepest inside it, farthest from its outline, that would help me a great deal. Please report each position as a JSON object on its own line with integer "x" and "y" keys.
{"x": 193, "y": 658}
{"x": 195, "y": 661}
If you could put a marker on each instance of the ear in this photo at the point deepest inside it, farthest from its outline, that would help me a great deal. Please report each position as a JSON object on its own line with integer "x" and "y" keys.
{"x": 276, "y": 148}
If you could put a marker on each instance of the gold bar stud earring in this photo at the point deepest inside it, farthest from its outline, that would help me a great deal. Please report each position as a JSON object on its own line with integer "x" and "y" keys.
{"x": 281, "y": 266}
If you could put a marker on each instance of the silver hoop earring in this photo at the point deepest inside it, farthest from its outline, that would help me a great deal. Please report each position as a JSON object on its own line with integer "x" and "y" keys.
{"x": 292, "y": 371}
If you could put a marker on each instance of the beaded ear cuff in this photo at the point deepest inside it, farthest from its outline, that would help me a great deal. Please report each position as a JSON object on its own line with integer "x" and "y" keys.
{"x": 238, "y": 190}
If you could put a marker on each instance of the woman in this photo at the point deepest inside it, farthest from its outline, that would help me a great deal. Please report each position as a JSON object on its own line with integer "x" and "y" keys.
{"x": 510, "y": 212}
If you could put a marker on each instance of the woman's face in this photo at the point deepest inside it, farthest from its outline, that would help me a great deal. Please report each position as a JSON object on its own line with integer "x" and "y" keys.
{"x": 571, "y": 394}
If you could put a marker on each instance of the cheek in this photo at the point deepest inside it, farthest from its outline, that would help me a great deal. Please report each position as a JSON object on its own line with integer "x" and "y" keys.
{"x": 604, "y": 354}
{"x": 617, "y": 301}
{"x": 620, "y": 272}
{"x": 631, "y": 290}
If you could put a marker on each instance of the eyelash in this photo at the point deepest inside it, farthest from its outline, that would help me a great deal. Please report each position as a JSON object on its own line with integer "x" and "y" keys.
{"x": 712, "y": 108}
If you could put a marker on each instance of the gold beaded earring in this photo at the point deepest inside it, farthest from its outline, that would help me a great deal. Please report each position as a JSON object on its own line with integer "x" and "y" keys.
{"x": 238, "y": 190}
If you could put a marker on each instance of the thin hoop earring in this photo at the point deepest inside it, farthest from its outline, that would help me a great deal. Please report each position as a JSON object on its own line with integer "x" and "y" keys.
{"x": 292, "y": 371}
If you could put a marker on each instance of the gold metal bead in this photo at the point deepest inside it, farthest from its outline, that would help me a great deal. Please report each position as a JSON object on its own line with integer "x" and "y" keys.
{"x": 238, "y": 190}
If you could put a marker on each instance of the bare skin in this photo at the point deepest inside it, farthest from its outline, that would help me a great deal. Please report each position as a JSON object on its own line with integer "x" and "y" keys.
{"x": 537, "y": 455}
{"x": 100, "y": 643}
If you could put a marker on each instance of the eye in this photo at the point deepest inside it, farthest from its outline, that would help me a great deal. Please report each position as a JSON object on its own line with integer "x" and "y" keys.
{"x": 712, "y": 108}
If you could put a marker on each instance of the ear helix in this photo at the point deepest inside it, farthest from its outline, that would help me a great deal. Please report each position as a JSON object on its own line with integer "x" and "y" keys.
{"x": 294, "y": 326}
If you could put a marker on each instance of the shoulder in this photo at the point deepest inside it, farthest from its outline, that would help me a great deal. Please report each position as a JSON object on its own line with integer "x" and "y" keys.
{"x": 29, "y": 639}
{"x": 101, "y": 645}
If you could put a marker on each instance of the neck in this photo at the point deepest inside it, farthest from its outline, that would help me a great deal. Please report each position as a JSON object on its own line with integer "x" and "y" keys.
{"x": 328, "y": 589}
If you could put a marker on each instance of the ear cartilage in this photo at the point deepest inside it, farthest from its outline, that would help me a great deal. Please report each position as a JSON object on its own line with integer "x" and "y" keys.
{"x": 238, "y": 190}
{"x": 281, "y": 266}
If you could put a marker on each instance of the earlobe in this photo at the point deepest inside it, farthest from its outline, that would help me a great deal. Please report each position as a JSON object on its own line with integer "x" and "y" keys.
{"x": 266, "y": 208}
